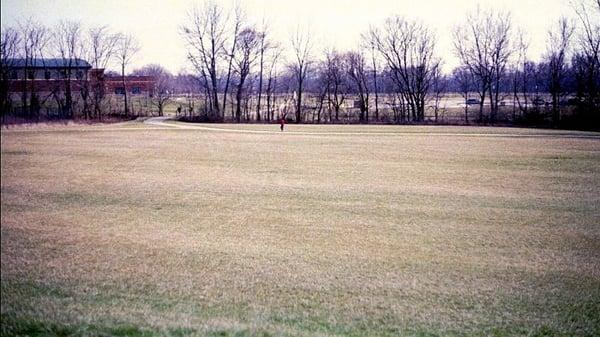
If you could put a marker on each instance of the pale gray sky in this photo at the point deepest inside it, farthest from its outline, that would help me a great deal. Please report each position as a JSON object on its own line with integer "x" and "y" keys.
{"x": 334, "y": 23}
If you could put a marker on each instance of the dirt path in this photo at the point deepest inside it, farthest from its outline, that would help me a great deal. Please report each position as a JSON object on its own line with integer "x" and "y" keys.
{"x": 169, "y": 123}
{"x": 162, "y": 123}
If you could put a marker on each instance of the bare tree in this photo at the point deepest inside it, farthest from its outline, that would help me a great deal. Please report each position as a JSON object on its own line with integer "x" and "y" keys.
{"x": 408, "y": 49}
{"x": 163, "y": 89}
{"x": 521, "y": 74}
{"x": 357, "y": 73}
{"x": 127, "y": 47}
{"x": 205, "y": 37}
{"x": 265, "y": 45}
{"x": 272, "y": 79}
{"x": 438, "y": 88}
{"x": 368, "y": 43}
{"x": 302, "y": 47}
{"x": 483, "y": 45}
{"x": 335, "y": 68}
{"x": 587, "y": 59}
{"x": 501, "y": 53}
{"x": 9, "y": 43}
{"x": 237, "y": 24}
{"x": 323, "y": 83}
{"x": 247, "y": 53}
{"x": 375, "y": 85}
{"x": 556, "y": 55}
{"x": 464, "y": 82}
{"x": 102, "y": 48}
{"x": 589, "y": 15}
{"x": 68, "y": 45}
{"x": 34, "y": 40}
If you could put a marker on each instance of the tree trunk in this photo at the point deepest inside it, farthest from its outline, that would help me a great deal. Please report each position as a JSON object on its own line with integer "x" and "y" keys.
{"x": 367, "y": 104}
{"x": 299, "y": 103}
{"x": 238, "y": 97}
{"x": 215, "y": 93}
{"x": 269, "y": 94}
{"x": 124, "y": 89}
{"x": 227, "y": 83}
{"x": 376, "y": 90}
{"x": 24, "y": 100}
{"x": 260, "y": 79}
{"x": 69, "y": 94}
{"x": 322, "y": 98}
{"x": 466, "y": 108}
{"x": 481, "y": 102}
{"x": 555, "y": 109}
{"x": 24, "y": 95}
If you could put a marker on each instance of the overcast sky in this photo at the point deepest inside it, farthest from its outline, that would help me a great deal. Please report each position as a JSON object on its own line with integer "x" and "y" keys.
{"x": 333, "y": 23}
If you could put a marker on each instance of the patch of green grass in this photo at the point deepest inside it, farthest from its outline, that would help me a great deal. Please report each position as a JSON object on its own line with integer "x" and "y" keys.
{"x": 16, "y": 153}
{"x": 36, "y": 328}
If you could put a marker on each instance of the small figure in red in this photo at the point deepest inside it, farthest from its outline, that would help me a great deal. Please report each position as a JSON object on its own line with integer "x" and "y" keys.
{"x": 282, "y": 123}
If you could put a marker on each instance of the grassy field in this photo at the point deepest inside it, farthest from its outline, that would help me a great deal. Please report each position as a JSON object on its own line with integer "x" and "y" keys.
{"x": 142, "y": 230}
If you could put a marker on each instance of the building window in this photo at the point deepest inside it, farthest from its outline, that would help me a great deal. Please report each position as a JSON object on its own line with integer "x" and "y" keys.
{"x": 47, "y": 74}
{"x": 136, "y": 90}
{"x": 79, "y": 74}
{"x": 14, "y": 75}
{"x": 31, "y": 74}
{"x": 120, "y": 91}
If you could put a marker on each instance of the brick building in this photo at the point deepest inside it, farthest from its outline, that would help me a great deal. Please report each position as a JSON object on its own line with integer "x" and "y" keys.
{"x": 135, "y": 85}
{"x": 51, "y": 74}
{"x": 47, "y": 75}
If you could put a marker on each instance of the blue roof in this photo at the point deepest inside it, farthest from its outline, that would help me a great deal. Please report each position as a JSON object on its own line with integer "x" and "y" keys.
{"x": 48, "y": 63}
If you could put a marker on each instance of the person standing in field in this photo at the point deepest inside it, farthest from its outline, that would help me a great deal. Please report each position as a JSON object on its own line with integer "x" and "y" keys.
{"x": 282, "y": 122}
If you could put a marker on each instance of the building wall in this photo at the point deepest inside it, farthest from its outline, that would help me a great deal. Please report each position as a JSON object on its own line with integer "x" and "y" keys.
{"x": 136, "y": 85}
{"x": 54, "y": 79}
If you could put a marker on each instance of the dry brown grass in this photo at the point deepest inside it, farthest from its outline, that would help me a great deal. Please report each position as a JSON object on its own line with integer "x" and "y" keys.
{"x": 177, "y": 231}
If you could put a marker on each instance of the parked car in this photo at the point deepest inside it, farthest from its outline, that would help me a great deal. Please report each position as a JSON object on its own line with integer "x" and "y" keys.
{"x": 471, "y": 101}
{"x": 538, "y": 101}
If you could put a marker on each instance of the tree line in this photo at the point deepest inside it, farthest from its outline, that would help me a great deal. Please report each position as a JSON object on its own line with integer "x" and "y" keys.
{"x": 241, "y": 73}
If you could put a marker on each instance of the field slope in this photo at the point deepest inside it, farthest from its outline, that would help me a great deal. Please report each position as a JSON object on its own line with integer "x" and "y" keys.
{"x": 176, "y": 230}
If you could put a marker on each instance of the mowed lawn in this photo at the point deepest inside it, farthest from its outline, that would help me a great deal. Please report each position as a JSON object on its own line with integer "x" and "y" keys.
{"x": 142, "y": 230}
